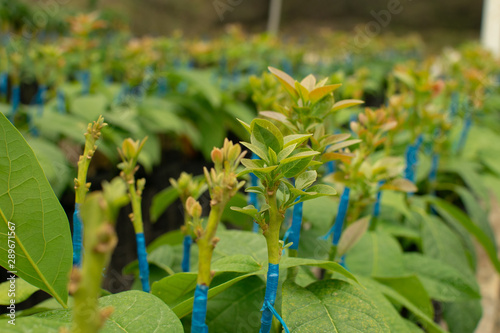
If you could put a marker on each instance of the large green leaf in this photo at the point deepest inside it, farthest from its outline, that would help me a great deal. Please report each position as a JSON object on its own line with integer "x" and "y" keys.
{"x": 387, "y": 310}
{"x": 328, "y": 265}
{"x": 411, "y": 288}
{"x": 134, "y": 311}
{"x": 234, "y": 242}
{"x": 330, "y": 306}
{"x": 397, "y": 298}
{"x": 161, "y": 201}
{"x": 440, "y": 242}
{"x": 443, "y": 207}
{"x": 442, "y": 281}
{"x": 462, "y": 316}
{"x": 23, "y": 290}
{"x": 376, "y": 254}
{"x": 238, "y": 308}
{"x": 42, "y": 235}
{"x": 89, "y": 107}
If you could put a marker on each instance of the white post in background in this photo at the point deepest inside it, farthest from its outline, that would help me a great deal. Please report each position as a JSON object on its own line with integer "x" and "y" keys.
{"x": 273, "y": 22}
{"x": 490, "y": 28}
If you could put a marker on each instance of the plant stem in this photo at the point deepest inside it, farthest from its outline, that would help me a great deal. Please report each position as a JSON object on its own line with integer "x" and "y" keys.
{"x": 272, "y": 234}
{"x": 206, "y": 245}
{"x": 136, "y": 201}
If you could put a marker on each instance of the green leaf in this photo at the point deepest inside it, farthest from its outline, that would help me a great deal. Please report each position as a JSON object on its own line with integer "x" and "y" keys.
{"x": 317, "y": 94}
{"x": 241, "y": 263}
{"x": 249, "y": 210}
{"x": 186, "y": 306}
{"x": 134, "y": 311}
{"x": 393, "y": 319}
{"x": 89, "y": 107}
{"x": 286, "y": 152}
{"x": 443, "y": 282}
{"x": 412, "y": 289}
{"x": 343, "y": 144}
{"x": 317, "y": 191}
{"x": 295, "y": 139}
{"x": 443, "y": 207}
{"x": 161, "y": 201}
{"x": 440, "y": 242}
{"x": 266, "y": 135}
{"x": 306, "y": 179}
{"x": 346, "y": 103}
{"x": 257, "y": 150}
{"x": 42, "y": 236}
{"x": 173, "y": 237}
{"x": 298, "y": 156}
{"x": 245, "y": 125}
{"x": 334, "y": 138}
{"x": 400, "y": 184}
{"x": 462, "y": 316}
{"x": 23, "y": 290}
{"x": 201, "y": 81}
{"x": 328, "y": 265}
{"x": 237, "y": 309}
{"x": 286, "y": 81}
{"x": 330, "y": 306}
{"x": 352, "y": 234}
{"x": 376, "y": 254}
{"x": 235, "y": 218}
{"x": 234, "y": 242}
{"x": 396, "y": 297}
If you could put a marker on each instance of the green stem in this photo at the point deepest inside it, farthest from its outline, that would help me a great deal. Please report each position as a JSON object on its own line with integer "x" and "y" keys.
{"x": 206, "y": 244}
{"x": 99, "y": 240}
{"x": 331, "y": 257}
{"x": 272, "y": 232}
{"x": 136, "y": 199}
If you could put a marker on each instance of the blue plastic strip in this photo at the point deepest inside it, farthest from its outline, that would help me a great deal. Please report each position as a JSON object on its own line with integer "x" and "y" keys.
{"x": 4, "y": 83}
{"x": 269, "y": 298}
{"x": 454, "y": 105}
{"x": 463, "y": 134}
{"x": 199, "y": 310}
{"x": 376, "y": 207}
{"x": 339, "y": 220}
{"x": 61, "y": 101}
{"x": 143, "y": 261}
{"x": 162, "y": 88}
{"x": 434, "y": 167}
{"x": 15, "y": 98}
{"x": 411, "y": 155}
{"x": 294, "y": 231}
{"x": 336, "y": 229}
{"x": 84, "y": 77}
{"x": 77, "y": 237}
{"x": 186, "y": 256}
{"x": 42, "y": 90}
{"x": 330, "y": 167}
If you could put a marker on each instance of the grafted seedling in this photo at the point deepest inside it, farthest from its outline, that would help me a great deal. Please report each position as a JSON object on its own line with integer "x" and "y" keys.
{"x": 81, "y": 186}
{"x": 223, "y": 185}
{"x": 129, "y": 154}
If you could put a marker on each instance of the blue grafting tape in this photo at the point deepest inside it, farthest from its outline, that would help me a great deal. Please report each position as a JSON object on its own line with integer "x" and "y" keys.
{"x": 342, "y": 261}
{"x": 61, "y": 101}
{"x": 84, "y": 77}
{"x": 376, "y": 207}
{"x": 275, "y": 313}
{"x": 42, "y": 90}
{"x": 330, "y": 167}
{"x": 339, "y": 220}
{"x": 186, "y": 255}
{"x": 4, "y": 83}
{"x": 162, "y": 88}
{"x": 199, "y": 310}
{"x": 15, "y": 98}
{"x": 464, "y": 133}
{"x": 434, "y": 167}
{"x": 77, "y": 237}
{"x": 269, "y": 298}
{"x": 143, "y": 261}
{"x": 294, "y": 235}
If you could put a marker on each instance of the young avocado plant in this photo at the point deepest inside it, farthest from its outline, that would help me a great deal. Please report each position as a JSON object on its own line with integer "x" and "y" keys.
{"x": 187, "y": 187}
{"x": 280, "y": 159}
{"x": 129, "y": 154}
{"x": 311, "y": 105}
{"x": 82, "y": 187}
{"x": 223, "y": 185}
